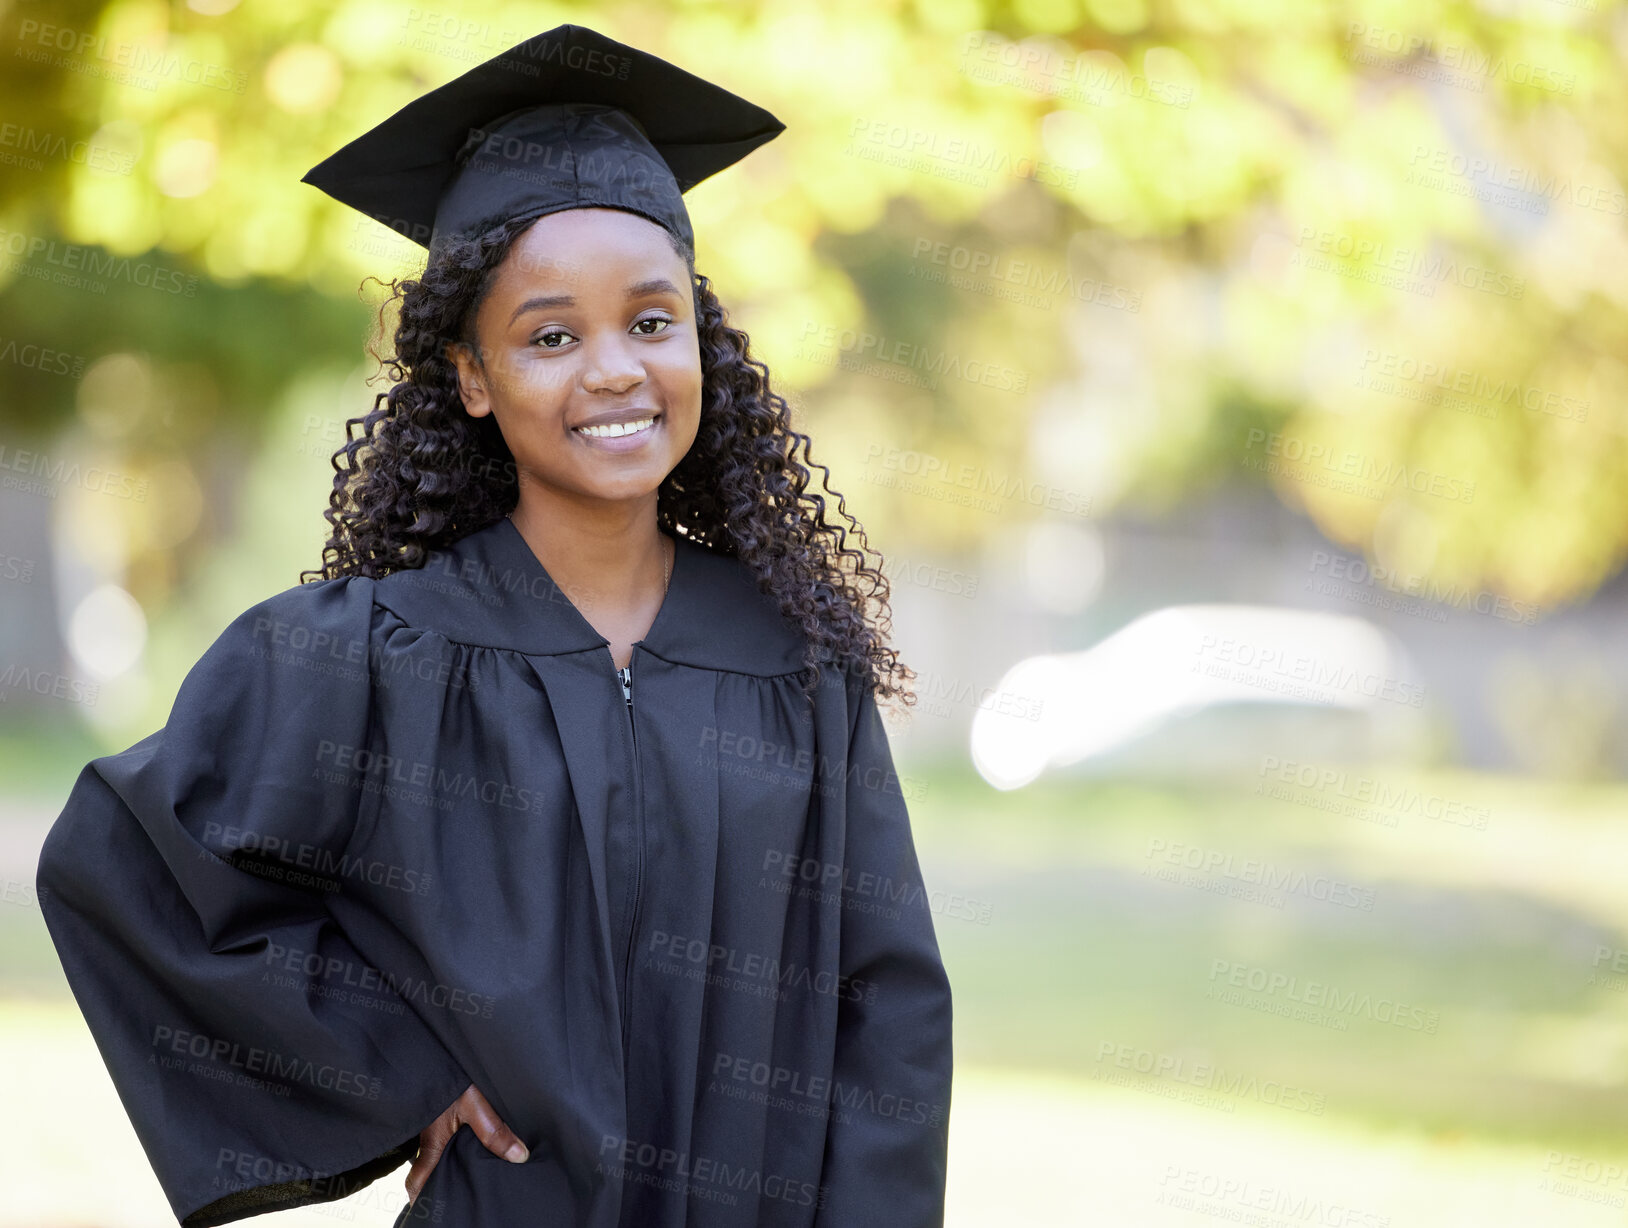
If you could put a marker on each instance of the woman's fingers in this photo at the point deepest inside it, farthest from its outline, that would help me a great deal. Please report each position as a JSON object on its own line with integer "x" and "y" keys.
{"x": 432, "y": 1141}
{"x": 471, "y": 1109}
{"x": 430, "y": 1146}
{"x": 489, "y": 1128}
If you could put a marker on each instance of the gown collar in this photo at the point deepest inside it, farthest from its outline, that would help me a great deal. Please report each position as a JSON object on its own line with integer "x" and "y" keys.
{"x": 489, "y": 589}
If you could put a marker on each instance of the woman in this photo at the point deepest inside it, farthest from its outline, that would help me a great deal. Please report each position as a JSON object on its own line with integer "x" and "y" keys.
{"x": 558, "y": 804}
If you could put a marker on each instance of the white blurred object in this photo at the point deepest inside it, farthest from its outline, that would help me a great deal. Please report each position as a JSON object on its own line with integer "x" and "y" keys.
{"x": 107, "y": 631}
{"x": 1064, "y": 566}
{"x": 1176, "y": 661}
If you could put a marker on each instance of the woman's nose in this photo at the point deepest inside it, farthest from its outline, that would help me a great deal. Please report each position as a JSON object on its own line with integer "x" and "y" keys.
{"x": 611, "y": 366}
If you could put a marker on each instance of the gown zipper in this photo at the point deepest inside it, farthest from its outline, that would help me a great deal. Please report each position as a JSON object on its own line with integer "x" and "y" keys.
{"x": 625, "y": 678}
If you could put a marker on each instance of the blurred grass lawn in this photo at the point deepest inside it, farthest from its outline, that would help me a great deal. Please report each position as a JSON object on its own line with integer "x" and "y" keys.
{"x": 1499, "y": 1117}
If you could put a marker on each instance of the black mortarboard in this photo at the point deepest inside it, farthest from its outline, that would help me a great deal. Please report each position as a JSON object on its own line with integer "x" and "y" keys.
{"x": 566, "y": 119}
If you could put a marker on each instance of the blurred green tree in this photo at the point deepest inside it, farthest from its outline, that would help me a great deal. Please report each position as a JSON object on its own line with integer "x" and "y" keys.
{"x": 1047, "y": 257}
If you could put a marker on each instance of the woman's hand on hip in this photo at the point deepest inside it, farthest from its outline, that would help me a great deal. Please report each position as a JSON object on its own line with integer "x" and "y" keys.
{"x": 470, "y": 1109}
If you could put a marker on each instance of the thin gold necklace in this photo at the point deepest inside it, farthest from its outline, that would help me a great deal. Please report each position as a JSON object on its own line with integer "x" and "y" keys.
{"x": 667, "y": 560}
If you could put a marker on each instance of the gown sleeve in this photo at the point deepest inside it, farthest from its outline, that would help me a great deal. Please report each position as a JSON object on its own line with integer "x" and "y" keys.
{"x": 179, "y": 877}
{"x": 887, "y": 1138}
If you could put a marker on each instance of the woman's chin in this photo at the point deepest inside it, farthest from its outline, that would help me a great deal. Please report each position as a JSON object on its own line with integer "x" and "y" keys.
{"x": 622, "y": 488}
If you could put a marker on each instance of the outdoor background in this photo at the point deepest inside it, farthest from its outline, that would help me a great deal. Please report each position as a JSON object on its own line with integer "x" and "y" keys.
{"x": 1237, "y": 392}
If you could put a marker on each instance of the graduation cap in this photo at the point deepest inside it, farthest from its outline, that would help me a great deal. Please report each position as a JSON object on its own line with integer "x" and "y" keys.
{"x": 565, "y": 120}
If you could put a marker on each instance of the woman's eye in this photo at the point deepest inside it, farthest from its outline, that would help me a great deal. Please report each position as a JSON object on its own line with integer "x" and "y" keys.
{"x": 652, "y": 320}
{"x": 553, "y": 332}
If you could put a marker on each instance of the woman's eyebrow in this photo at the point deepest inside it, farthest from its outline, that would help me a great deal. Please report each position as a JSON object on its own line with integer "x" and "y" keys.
{"x": 653, "y": 285}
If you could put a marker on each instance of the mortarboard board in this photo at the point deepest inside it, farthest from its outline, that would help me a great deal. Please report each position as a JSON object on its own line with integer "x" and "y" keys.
{"x": 566, "y": 119}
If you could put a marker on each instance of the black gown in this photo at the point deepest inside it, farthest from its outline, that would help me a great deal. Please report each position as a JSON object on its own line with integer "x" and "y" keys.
{"x": 398, "y": 836}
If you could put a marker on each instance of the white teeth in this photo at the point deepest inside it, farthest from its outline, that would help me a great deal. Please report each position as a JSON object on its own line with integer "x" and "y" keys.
{"x": 615, "y": 429}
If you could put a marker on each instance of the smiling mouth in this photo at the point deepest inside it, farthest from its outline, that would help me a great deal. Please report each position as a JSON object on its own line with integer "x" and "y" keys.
{"x": 618, "y": 430}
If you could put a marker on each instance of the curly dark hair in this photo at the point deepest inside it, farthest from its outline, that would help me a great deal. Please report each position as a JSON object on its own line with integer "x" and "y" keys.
{"x": 420, "y": 474}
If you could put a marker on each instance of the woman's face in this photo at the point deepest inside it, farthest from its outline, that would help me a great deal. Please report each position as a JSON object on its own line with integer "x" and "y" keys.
{"x": 589, "y": 322}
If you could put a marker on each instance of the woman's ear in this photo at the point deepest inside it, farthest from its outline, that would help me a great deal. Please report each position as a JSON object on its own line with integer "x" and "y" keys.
{"x": 471, "y": 378}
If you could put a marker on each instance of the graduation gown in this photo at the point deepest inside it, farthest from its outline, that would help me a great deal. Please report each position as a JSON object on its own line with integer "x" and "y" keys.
{"x": 399, "y": 836}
